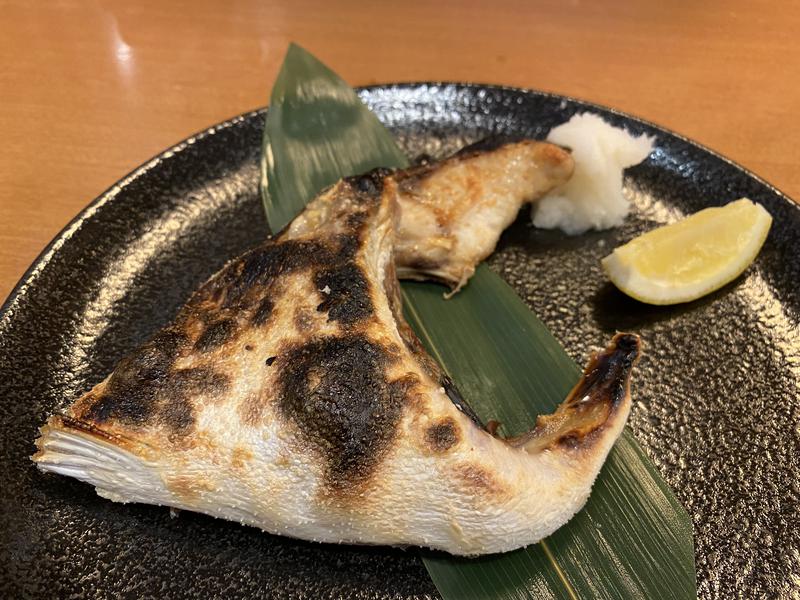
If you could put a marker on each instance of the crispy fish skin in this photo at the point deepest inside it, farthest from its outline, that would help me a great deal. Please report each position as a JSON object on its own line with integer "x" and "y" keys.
{"x": 290, "y": 394}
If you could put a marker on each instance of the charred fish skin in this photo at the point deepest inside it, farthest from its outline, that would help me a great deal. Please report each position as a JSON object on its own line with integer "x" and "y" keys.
{"x": 290, "y": 394}
{"x": 600, "y": 397}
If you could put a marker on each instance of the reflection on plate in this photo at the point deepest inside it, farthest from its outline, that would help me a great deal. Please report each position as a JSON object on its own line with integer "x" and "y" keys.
{"x": 717, "y": 393}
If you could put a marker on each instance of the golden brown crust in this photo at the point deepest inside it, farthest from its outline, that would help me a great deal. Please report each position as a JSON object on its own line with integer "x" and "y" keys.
{"x": 189, "y": 487}
{"x": 240, "y": 457}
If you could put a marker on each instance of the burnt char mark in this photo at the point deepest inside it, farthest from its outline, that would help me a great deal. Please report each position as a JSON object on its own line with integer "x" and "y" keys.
{"x": 459, "y": 402}
{"x": 215, "y": 335}
{"x": 442, "y": 436}
{"x": 355, "y": 221}
{"x": 591, "y": 404}
{"x": 196, "y": 381}
{"x": 245, "y": 283}
{"x": 177, "y": 414}
{"x": 597, "y": 395}
{"x": 146, "y": 390}
{"x": 130, "y": 405}
{"x": 369, "y": 186}
{"x": 333, "y": 263}
{"x": 265, "y": 263}
{"x": 89, "y": 428}
{"x": 336, "y": 394}
{"x": 606, "y": 375}
{"x": 158, "y": 354}
{"x": 486, "y": 145}
{"x": 348, "y": 243}
{"x": 263, "y": 312}
{"x": 129, "y": 395}
{"x": 349, "y": 298}
{"x": 423, "y": 160}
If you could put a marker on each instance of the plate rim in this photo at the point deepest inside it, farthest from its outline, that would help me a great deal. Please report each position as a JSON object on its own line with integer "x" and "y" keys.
{"x": 64, "y": 234}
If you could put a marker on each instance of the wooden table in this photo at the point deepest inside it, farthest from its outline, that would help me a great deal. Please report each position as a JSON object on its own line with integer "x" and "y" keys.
{"x": 89, "y": 90}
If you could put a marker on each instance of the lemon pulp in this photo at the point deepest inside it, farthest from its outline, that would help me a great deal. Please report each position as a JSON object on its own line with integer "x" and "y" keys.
{"x": 691, "y": 258}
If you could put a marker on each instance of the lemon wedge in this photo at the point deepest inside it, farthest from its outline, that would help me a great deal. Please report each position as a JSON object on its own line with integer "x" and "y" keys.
{"x": 691, "y": 258}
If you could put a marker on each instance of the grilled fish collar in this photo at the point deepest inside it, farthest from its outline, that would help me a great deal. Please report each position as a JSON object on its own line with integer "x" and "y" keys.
{"x": 290, "y": 394}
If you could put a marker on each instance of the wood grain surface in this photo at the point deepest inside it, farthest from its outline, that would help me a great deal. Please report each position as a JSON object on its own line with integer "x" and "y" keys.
{"x": 91, "y": 89}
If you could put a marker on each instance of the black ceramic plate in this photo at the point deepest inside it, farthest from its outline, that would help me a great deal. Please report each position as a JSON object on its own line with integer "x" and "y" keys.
{"x": 716, "y": 402}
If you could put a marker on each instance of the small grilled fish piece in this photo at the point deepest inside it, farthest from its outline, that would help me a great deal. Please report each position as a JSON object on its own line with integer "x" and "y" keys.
{"x": 290, "y": 394}
{"x": 453, "y": 212}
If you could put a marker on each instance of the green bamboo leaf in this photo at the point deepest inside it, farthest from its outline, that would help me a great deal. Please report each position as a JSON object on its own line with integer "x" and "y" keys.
{"x": 633, "y": 539}
{"x": 318, "y": 121}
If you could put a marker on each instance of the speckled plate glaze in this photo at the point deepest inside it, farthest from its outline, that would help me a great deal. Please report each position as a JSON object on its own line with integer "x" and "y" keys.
{"x": 716, "y": 395}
